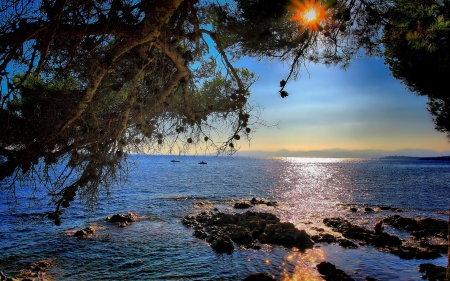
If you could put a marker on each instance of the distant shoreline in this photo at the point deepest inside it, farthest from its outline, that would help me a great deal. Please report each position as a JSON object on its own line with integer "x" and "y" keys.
{"x": 395, "y": 157}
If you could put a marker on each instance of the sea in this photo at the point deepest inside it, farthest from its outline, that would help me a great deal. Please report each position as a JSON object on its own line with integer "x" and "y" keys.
{"x": 157, "y": 246}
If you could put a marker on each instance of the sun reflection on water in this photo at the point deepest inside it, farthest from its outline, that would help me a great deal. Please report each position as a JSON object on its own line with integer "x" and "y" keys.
{"x": 311, "y": 188}
{"x": 303, "y": 265}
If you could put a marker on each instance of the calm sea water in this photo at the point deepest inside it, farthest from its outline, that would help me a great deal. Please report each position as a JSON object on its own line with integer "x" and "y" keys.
{"x": 159, "y": 247}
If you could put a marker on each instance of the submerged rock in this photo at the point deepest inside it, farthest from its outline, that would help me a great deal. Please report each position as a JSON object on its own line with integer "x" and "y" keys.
{"x": 259, "y": 277}
{"x": 35, "y": 271}
{"x": 84, "y": 232}
{"x": 247, "y": 229}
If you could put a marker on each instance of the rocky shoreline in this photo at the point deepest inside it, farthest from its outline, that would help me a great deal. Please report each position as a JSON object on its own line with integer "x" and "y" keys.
{"x": 226, "y": 233}
{"x": 251, "y": 229}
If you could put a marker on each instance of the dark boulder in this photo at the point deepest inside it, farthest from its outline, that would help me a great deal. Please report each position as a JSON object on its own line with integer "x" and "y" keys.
{"x": 401, "y": 223}
{"x": 324, "y": 238}
{"x": 200, "y": 234}
{"x": 119, "y": 218}
{"x": 222, "y": 244}
{"x": 385, "y": 239}
{"x": 242, "y": 205}
{"x": 331, "y": 273}
{"x": 255, "y": 201}
{"x": 247, "y": 229}
{"x": 433, "y": 272}
{"x": 419, "y": 228}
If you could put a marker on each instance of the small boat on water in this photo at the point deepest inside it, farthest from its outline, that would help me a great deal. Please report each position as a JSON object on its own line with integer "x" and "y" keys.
{"x": 175, "y": 161}
{"x": 202, "y": 162}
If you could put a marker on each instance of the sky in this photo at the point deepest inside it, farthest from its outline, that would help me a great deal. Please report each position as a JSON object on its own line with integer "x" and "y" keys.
{"x": 360, "y": 108}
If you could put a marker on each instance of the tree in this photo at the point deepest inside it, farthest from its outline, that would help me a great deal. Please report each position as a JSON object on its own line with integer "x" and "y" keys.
{"x": 89, "y": 81}
{"x": 85, "y": 82}
{"x": 417, "y": 44}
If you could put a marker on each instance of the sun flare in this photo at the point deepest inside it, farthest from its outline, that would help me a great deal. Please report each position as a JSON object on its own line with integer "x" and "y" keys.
{"x": 310, "y": 15}
{"x": 308, "y": 12}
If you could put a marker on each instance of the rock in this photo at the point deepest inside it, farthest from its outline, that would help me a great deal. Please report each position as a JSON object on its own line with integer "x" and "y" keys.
{"x": 259, "y": 277}
{"x": 324, "y": 238}
{"x": 243, "y": 236}
{"x": 222, "y": 244}
{"x": 353, "y": 209}
{"x": 242, "y": 205}
{"x": 419, "y": 228}
{"x": 347, "y": 244}
{"x": 331, "y": 273}
{"x": 385, "y": 239}
{"x": 226, "y": 219}
{"x": 247, "y": 229}
{"x": 122, "y": 220}
{"x": 84, "y": 232}
{"x": 367, "y": 209}
{"x": 436, "y": 247}
{"x": 370, "y": 279}
{"x": 433, "y": 272}
{"x": 200, "y": 234}
{"x": 400, "y": 222}
{"x": 255, "y": 201}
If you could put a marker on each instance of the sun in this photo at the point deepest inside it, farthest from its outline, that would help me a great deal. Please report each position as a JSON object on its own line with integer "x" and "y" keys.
{"x": 308, "y": 12}
{"x": 310, "y": 15}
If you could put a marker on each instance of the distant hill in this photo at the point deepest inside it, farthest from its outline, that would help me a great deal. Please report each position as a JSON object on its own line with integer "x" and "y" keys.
{"x": 395, "y": 157}
{"x": 343, "y": 153}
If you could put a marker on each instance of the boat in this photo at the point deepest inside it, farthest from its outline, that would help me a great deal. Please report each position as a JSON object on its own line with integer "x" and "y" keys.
{"x": 175, "y": 161}
{"x": 202, "y": 162}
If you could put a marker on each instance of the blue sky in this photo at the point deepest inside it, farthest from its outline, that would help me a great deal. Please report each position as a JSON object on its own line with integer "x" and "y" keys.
{"x": 360, "y": 108}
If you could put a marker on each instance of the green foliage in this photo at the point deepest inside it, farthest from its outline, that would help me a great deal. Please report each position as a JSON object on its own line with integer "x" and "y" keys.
{"x": 417, "y": 48}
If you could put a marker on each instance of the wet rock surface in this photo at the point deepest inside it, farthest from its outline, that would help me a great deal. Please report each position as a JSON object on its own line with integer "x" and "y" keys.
{"x": 254, "y": 201}
{"x": 259, "y": 277}
{"x": 248, "y": 229}
{"x": 433, "y": 272}
{"x": 419, "y": 228}
{"x": 384, "y": 241}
